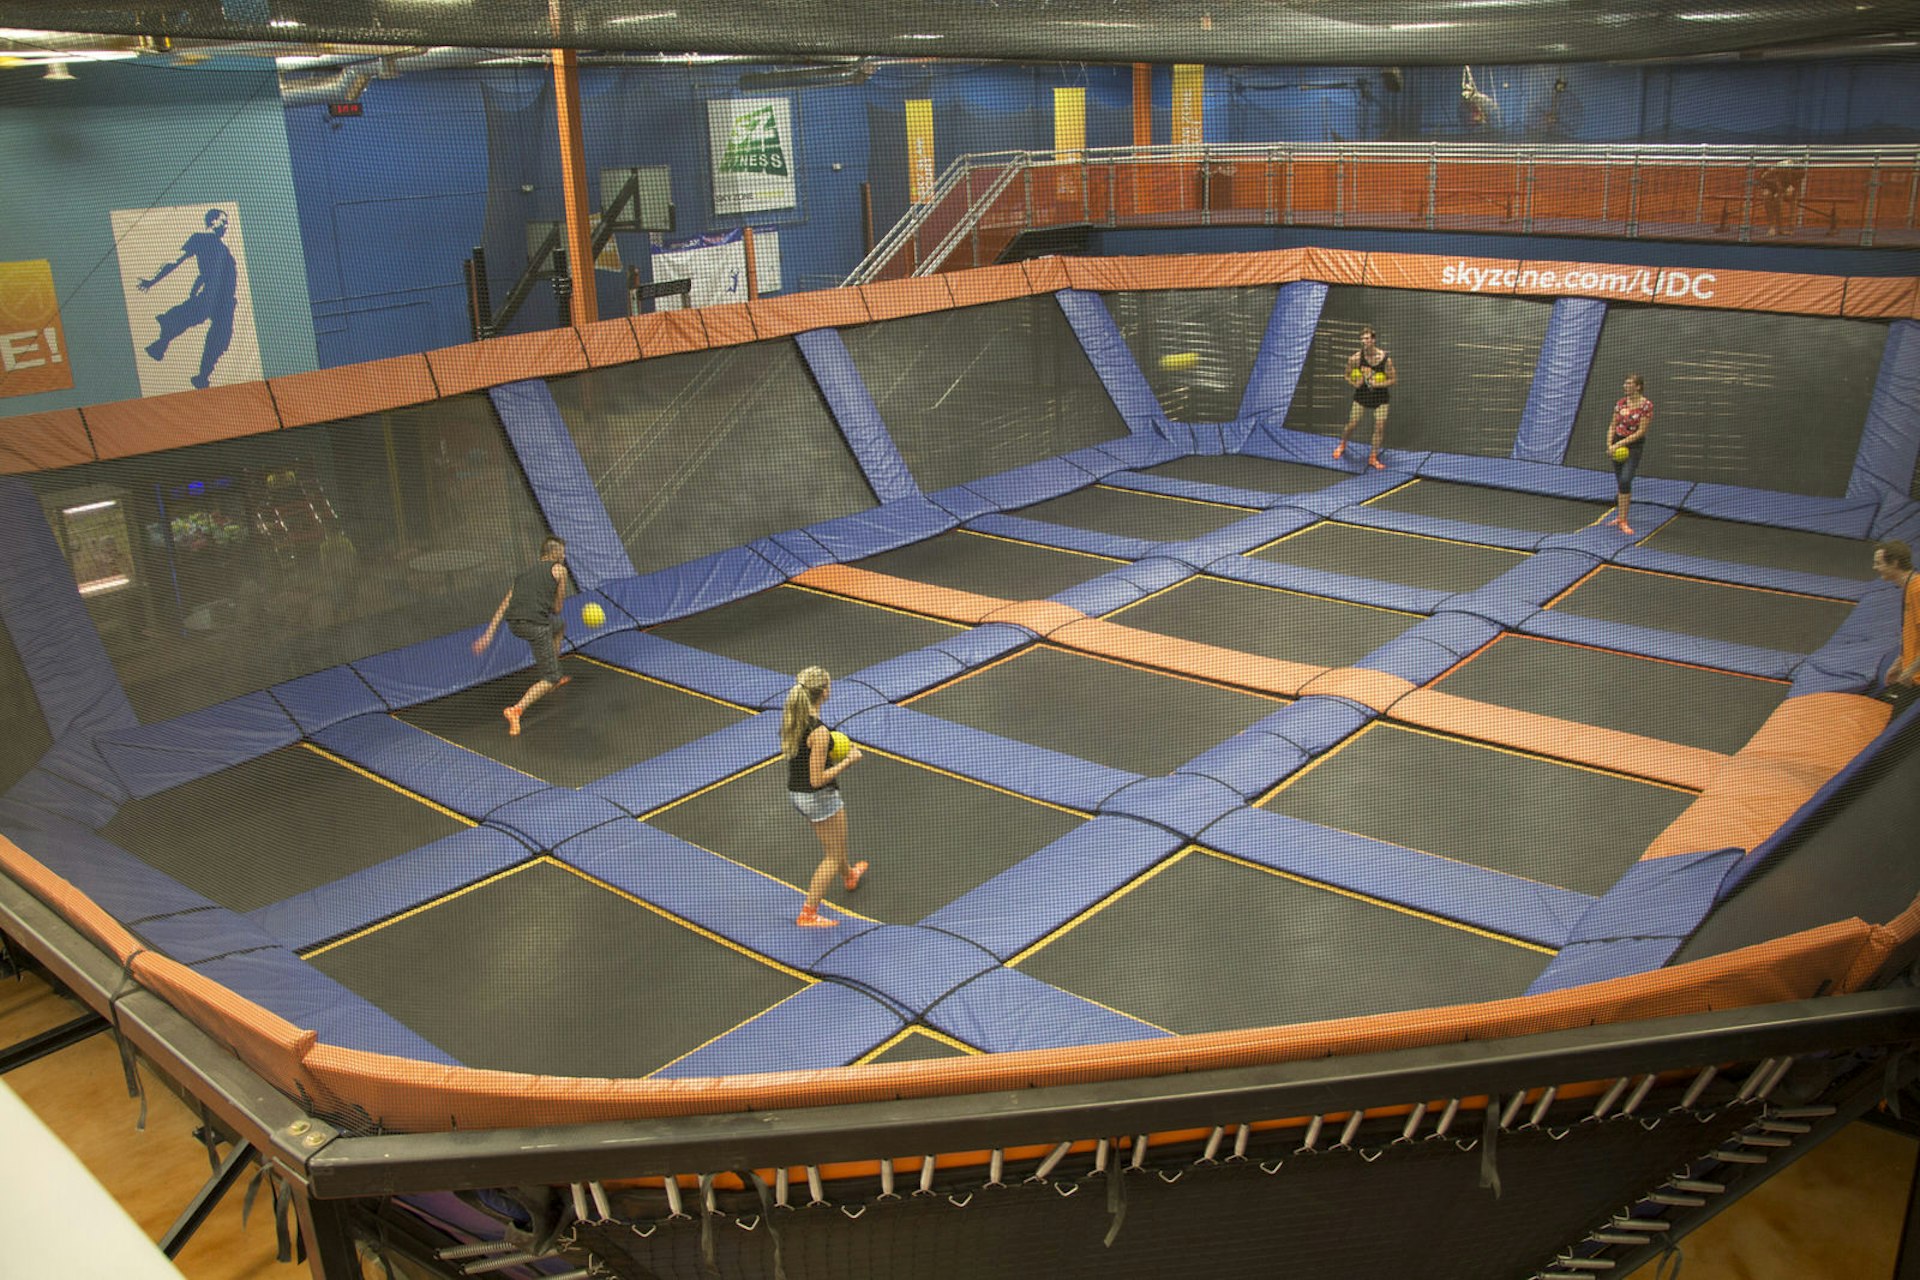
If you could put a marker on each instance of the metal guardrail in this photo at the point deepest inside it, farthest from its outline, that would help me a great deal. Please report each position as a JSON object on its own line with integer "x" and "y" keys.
{"x": 1889, "y": 196}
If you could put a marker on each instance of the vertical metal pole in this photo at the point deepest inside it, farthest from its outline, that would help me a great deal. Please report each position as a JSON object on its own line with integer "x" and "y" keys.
{"x": 1340, "y": 189}
{"x": 584, "y": 306}
{"x": 1873, "y": 201}
{"x": 1433, "y": 182}
{"x": 482, "y": 293}
{"x": 332, "y": 1253}
{"x": 1269, "y": 214}
{"x": 1633, "y": 199}
{"x": 1746, "y": 204}
{"x": 1206, "y": 186}
{"x": 1287, "y": 200}
{"x": 753, "y": 275}
{"x": 1700, "y": 192}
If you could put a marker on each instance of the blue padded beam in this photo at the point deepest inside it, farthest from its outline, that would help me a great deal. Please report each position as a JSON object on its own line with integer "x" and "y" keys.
{"x": 560, "y": 482}
{"x": 1890, "y": 441}
{"x": 1559, "y": 379}
{"x": 1005, "y": 1011}
{"x": 853, "y": 408}
{"x": 1119, "y": 373}
{"x": 1283, "y": 353}
{"x": 78, "y": 690}
{"x": 1641, "y": 921}
{"x": 824, "y": 1025}
{"x": 154, "y": 757}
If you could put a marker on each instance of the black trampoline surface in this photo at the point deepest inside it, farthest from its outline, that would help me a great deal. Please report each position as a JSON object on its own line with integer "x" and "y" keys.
{"x": 787, "y": 628}
{"x": 1730, "y": 540}
{"x": 1665, "y": 700}
{"x": 1266, "y": 621}
{"x": 916, "y": 1045}
{"x": 603, "y": 720}
{"x": 557, "y": 975}
{"x": 1502, "y": 508}
{"x": 1839, "y": 866}
{"x": 1211, "y": 943}
{"x": 1434, "y": 563}
{"x": 1116, "y": 715}
{"x": 1560, "y": 824}
{"x": 1248, "y": 471}
{"x": 989, "y": 565}
{"x": 1710, "y": 610}
{"x": 1132, "y": 514}
{"x": 258, "y": 833}
{"x": 929, "y": 836}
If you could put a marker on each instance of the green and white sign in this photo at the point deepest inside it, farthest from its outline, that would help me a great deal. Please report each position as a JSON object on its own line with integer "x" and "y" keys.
{"x": 752, "y": 154}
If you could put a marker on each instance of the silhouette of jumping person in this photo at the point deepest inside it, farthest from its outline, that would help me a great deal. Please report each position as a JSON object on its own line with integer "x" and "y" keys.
{"x": 213, "y": 298}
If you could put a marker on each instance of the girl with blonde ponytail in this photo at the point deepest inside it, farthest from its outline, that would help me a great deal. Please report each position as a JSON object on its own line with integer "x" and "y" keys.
{"x": 806, "y": 743}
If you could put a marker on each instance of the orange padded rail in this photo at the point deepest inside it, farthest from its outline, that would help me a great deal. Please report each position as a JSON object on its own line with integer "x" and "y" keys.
{"x": 43, "y": 441}
{"x": 913, "y": 296}
{"x": 1273, "y": 676}
{"x": 666, "y": 333}
{"x": 610, "y": 342}
{"x": 948, "y": 603}
{"x": 1333, "y": 266}
{"x": 1046, "y": 275}
{"x": 127, "y": 427}
{"x": 1042, "y": 617}
{"x": 494, "y": 361}
{"x": 990, "y": 284}
{"x": 1610, "y": 749}
{"x": 1426, "y": 271}
{"x": 1801, "y": 746}
{"x": 351, "y": 390}
{"x": 801, "y": 312}
{"x": 1369, "y": 688}
{"x": 729, "y": 324}
{"x": 1890, "y": 299}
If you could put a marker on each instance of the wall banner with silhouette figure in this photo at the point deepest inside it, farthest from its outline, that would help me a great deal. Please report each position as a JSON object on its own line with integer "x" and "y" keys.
{"x": 183, "y": 270}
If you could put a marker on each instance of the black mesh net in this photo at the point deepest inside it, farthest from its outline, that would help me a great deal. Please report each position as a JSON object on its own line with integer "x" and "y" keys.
{"x": 1746, "y": 398}
{"x": 981, "y": 390}
{"x": 1196, "y": 346}
{"x": 664, "y": 438}
{"x": 1465, "y": 365}
{"x": 251, "y": 561}
{"x": 26, "y": 738}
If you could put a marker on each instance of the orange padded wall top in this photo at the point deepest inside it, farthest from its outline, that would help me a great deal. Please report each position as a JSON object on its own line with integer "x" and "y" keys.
{"x": 351, "y": 390}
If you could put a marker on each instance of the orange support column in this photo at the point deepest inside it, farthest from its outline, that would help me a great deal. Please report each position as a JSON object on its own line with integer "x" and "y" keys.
{"x": 583, "y": 308}
{"x": 1142, "y": 104}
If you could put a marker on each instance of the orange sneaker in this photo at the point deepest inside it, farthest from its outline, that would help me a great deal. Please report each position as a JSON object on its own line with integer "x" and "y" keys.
{"x": 513, "y": 721}
{"x": 1340, "y": 451}
{"x": 814, "y": 920}
{"x": 854, "y": 873}
{"x": 1373, "y": 460}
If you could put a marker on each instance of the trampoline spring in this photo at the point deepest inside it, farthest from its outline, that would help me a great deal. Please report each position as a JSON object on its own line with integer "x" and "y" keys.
{"x": 1139, "y": 1151}
{"x": 1100, "y": 1152}
{"x": 1347, "y": 1134}
{"x": 1640, "y": 1092}
{"x": 1541, "y": 1107}
{"x": 1675, "y": 1200}
{"x": 674, "y": 1207}
{"x": 1446, "y": 1119}
{"x": 579, "y": 1202}
{"x": 1271, "y": 1168}
{"x": 1769, "y": 1125}
{"x": 1370, "y": 1154}
{"x": 1512, "y": 1111}
{"x": 1615, "y": 1237}
{"x": 926, "y": 1176}
{"x": 780, "y": 1187}
{"x": 1066, "y": 1188}
{"x": 1762, "y": 1140}
{"x": 1755, "y": 1080}
{"x": 960, "y": 1202}
{"x": 1779, "y": 1074}
{"x": 1214, "y": 1139}
{"x": 749, "y": 1223}
{"x": 1739, "y": 1157}
{"x": 1622, "y": 1222}
{"x": 1697, "y": 1184}
{"x": 1412, "y": 1125}
{"x": 1241, "y": 1135}
{"x": 479, "y": 1249}
{"x": 1608, "y": 1099}
{"x": 600, "y": 1201}
{"x": 996, "y": 1165}
{"x": 499, "y": 1262}
{"x": 1698, "y": 1087}
{"x": 853, "y": 1210}
{"x": 1585, "y": 1264}
{"x": 1313, "y": 1136}
{"x": 1051, "y": 1163}
{"x": 814, "y": 1188}
{"x": 1170, "y": 1178}
{"x": 707, "y": 1202}
{"x": 886, "y": 1179}
{"x": 643, "y": 1234}
{"x": 1801, "y": 1113}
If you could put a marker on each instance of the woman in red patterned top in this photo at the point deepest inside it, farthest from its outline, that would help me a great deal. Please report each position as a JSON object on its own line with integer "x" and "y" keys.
{"x": 1628, "y": 429}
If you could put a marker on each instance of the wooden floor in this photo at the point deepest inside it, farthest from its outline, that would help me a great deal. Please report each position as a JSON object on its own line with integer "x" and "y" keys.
{"x": 1834, "y": 1215}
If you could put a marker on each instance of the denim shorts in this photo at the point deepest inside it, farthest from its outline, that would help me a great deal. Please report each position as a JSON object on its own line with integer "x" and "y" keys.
{"x": 543, "y": 641}
{"x": 817, "y": 806}
{"x": 1624, "y": 471}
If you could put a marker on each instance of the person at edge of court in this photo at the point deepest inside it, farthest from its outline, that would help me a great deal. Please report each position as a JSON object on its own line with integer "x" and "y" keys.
{"x": 1627, "y": 429}
{"x": 813, "y": 788}
{"x": 1780, "y": 185}
{"x": 1893, "y": 561}
{"x": 531, "y": 611}
{"x": 1371, "y": 371}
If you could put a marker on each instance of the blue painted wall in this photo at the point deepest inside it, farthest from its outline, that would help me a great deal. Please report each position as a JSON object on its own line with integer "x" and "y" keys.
{"x": 122, "y": 136}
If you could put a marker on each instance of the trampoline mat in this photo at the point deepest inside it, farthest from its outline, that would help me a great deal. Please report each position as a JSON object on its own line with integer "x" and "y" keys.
{"x": 555, "y": 975}
{"x": 1434, "y": 563}
{"x": 915, "y": 1045}
{"x": 1522, "y": 815}
{"x": 602, "y": 721}
{"x": 929, "y": 836}
{"x": 788, "y": 628}
{"x": 1134, "y": 515}
{"x": 1665, "y": 700}
{"x": 1210, "y": 943}
{"x": 1248, "y": 471}
{"x": 1266, "y": 621}
{"x": 1501, "y": 508}
{"x": 258, "y": 833}
{"x": 990, "y": 566}
{"x": 1710, "y": 610}
{"x": 1737, "y": 543}
{"x": 1115, "y": 715}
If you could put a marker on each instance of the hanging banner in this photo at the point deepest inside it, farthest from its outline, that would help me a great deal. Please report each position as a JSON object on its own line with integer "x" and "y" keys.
{"x": 752, "y": 141}
{"x": 33, "y": 347}
{"x": 920, "y": 173}
{"x": 717, "y": 265}
{"x": 1069, "y": 138}
{"x": 184, "y": 273}
{"x": 1189, "y": 82}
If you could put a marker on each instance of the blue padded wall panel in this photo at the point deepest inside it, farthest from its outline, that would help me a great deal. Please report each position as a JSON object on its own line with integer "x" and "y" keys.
{"x": 152, "y": 758}
{"x": 853, "y": 408}
{"x": 560, "y": 482}
{"x": 1559, "y": 380}
{"x": 1101, "y": 339}
{"x": 1283, "y": 354}
{"x": 1890, "y": 440}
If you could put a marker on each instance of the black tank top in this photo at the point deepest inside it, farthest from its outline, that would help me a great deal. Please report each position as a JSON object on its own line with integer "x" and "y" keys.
{"x": 799, "y": 769}
{"x": 532, "y": 599}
